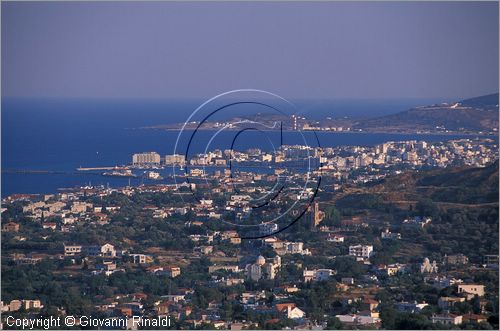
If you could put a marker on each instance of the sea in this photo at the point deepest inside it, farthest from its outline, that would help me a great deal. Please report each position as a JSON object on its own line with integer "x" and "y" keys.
{"x": 57, "y": 136}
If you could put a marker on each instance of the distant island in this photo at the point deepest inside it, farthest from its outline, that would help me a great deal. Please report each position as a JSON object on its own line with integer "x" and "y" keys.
{"x": 470, "y": 116}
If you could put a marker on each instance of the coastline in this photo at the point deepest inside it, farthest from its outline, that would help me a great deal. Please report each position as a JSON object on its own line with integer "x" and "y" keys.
{"x": 430, "y": 133}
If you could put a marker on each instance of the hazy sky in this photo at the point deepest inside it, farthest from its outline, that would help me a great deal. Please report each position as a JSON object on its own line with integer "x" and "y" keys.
{"x": 297, "y": 50}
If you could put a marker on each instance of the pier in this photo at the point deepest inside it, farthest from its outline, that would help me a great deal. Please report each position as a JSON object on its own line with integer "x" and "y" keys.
{"x": 101, "y": 168}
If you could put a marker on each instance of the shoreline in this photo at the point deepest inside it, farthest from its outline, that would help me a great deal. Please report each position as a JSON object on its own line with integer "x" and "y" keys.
{"x": 482, "y": 134}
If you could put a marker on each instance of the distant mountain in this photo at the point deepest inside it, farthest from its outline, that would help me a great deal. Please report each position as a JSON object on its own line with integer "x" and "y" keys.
{"x": 470, "y": 115}
{"x": 489, "y": 101}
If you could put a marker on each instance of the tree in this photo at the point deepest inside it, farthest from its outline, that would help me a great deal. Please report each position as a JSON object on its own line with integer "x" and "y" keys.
{"x": 334, "y": 324}
{"x": 426, "y": 207}
{"x": 388, "y": 315}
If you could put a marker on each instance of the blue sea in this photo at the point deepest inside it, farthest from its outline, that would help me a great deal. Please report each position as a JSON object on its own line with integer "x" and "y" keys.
{"x": 60, "y": 135}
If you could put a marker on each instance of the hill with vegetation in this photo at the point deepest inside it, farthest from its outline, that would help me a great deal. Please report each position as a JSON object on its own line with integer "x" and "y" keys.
{"x": 462, "y": 185}
{"x": 471, "y": 115}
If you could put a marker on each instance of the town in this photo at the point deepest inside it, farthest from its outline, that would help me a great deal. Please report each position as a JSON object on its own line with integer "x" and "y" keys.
{"x": 373, "y": 249}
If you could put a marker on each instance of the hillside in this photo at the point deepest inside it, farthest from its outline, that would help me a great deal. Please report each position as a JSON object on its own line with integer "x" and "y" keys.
{"x": 470, "y": 115}
{"x": 455, "y": 185}
{"x": 489, "y": 101}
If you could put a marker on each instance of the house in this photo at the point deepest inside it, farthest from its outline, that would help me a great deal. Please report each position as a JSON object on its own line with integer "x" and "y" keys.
{"x": 341, "y": 287}
{"x": 231, "y": 268}
{"x": 140, "y": 258}
{"x": 350, "y": 299}
{"x": 281, "y": 307}
{"x": 417, "y": 222}
{"x": 235, "y": 240}
{"x": 447, "y": 303}
{"x": 164, "y": 308}
{"x": 30, "y": 259}
{"x": 80, "y": 207}
{"x": 49, "y": 225}
{"x": 347, "y": 280}
{"x": 308, "y": 275}
{"x": 10, "y": 227}
{"x": 69, "y": 220}
{"x": 411, "y": 307}
{"x": 353, "y": 319}
{"x": 233, "y": 281}
{"x": 335, "y": 238}
{"x": 154, "y": 269}
{"x": 186, "y": 311}
{"x": 174, "y": 297}
{"x": 290, "y": 289}
{"x": 205, "y": 250}
{"x": 72, "y": 250}
{"x": 226, "y": 235}
{"x": 172, "y": 271}
{"x": 107, "y": 250}
{"x": 266, "y": 229}
{"x": 428, "y": 267}
{"x": 442, "y": 282}
{"x": 386, "y": 234}
{"x": 219, "y": 324}
{"x": 15, "y": 305}
{"x": 67, "y": 228}
{"x": 124, "y": 311}
{"x": 32, "y": 304}
{"x": 369, "y": 313}
{"x": 101, "y": 218}
{"x": 369, "y": 304}
{"x": 470, "y": 317}
{"x": 106, "y": 268}
{"x": 363, "y": 251}
{"x": 294, "y": 313}
{"x": 251, "y": 297}
{"x": 391, "y": 269}
{"x": 282, "y": 248}
{"x": 289, "y": 310}
{"x": 456, "y": 259}
{"x": 471, "y": 290}
{"x": 138, "y": 296}
{"x": 491, "y": 261}
{"x": 318, "y": 274}
{"x": 446, "y": 319}
{"x": 263, "y": 269}
{"x": 237, "y": 326}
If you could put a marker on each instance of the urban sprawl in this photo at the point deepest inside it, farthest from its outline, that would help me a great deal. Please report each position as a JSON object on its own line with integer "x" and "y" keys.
{"x": 378, "y": 247}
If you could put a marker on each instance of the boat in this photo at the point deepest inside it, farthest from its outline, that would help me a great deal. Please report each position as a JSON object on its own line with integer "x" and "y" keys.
{"x": 154, "y": 175}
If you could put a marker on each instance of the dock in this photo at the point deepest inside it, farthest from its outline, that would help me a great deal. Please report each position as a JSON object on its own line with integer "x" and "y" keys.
{"x": 101, "y": 168}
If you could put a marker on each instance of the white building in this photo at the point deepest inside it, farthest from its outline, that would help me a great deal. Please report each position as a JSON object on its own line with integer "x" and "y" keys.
{"x": 295, "y": 247}
{"x": 254, "y": 271}
{"x": 336, "y": 238}
{"x": 71, "y": 250}
{"x": 268, "y": 228}
{"x": 364, "y": 251}
{"x": 386, "y": 234}
{"x": 411, "y": 307}
{"x": 147, "y": 158}
{"x": 294, "y": 313}
{"x": 447, "y": 319}
{"x": 107, "y": 250}
{"x": 318, "y": 274}
{"x": 139, "y": 258}
{"x": 263, "y": 269}
{"x": 427, "y": 267}
{"x": 175, "y": 159}
{"x": 471, "y": 289}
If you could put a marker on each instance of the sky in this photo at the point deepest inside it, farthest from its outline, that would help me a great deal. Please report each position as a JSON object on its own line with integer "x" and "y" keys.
{"x": 297, "y": 50}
